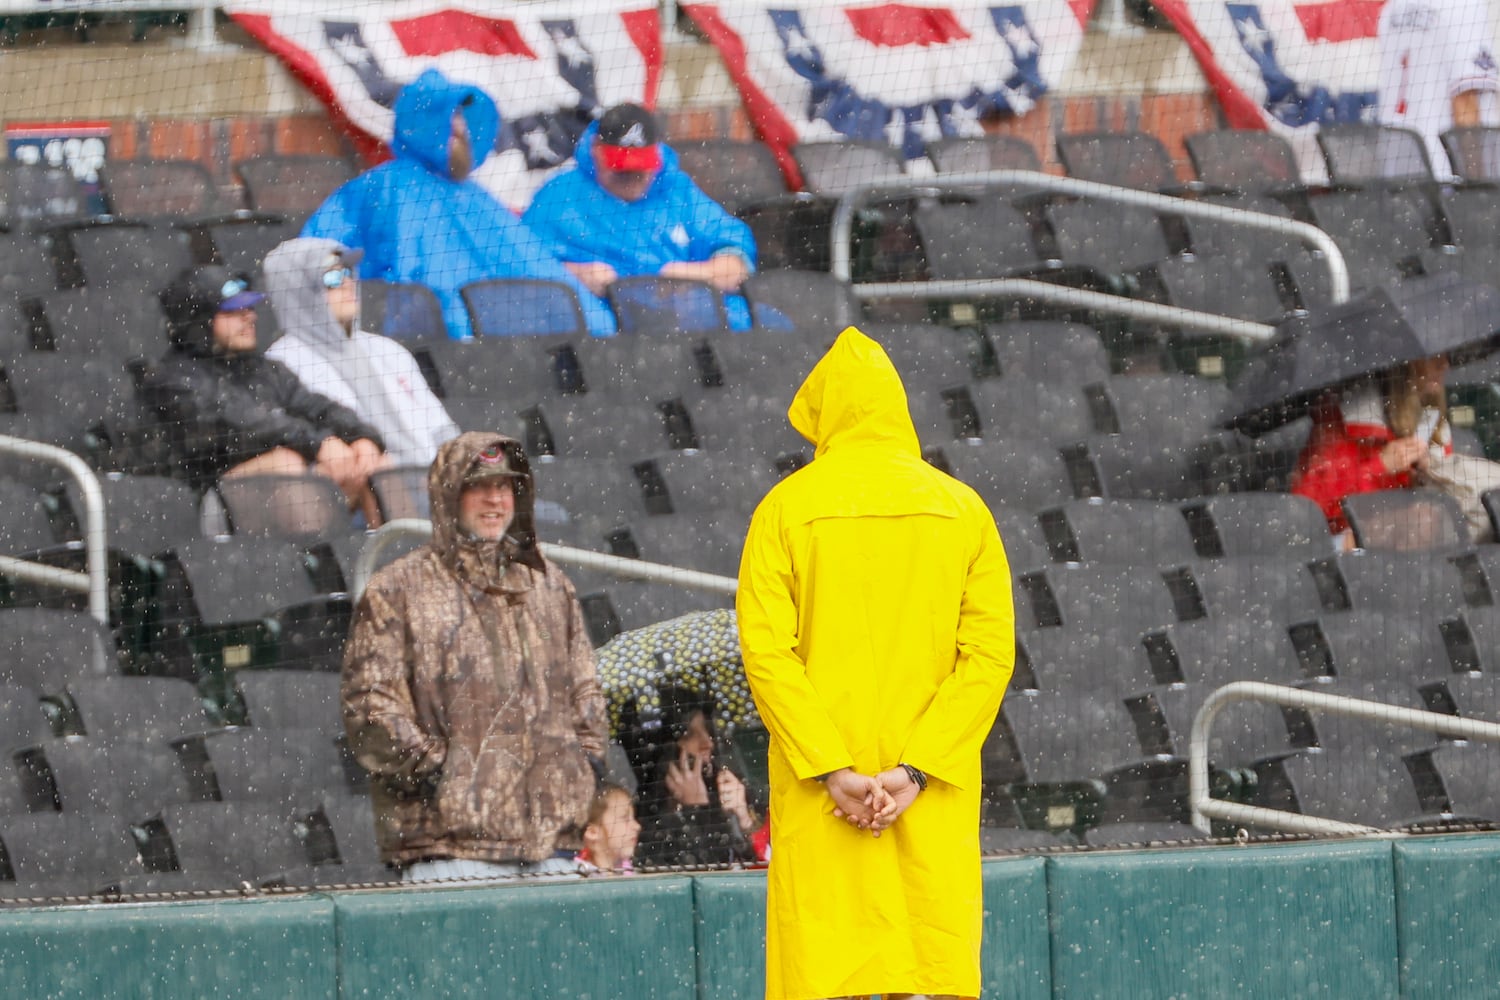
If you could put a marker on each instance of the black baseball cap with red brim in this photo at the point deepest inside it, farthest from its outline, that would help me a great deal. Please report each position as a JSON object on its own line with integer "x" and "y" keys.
{"x": 629, "y": 139}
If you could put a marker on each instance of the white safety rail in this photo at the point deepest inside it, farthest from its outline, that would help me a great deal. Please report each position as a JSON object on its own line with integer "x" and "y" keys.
{"x": 633, "y": 569}
{"x": 1205, "y": 807}
{"x": 95, "y": 581}
{"x": 1026, "y": 288}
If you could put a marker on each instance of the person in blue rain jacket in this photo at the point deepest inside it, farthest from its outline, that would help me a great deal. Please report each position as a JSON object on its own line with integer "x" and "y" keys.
{"x": 419, "y": 218}
{"x": 628, "y": 209}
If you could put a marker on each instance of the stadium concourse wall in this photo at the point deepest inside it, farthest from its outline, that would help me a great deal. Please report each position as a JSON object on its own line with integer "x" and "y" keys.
{"x": 1359, "y": 918}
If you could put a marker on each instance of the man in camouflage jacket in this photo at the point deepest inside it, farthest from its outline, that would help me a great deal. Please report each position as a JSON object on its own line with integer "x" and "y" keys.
{"x": 469, "y": 690}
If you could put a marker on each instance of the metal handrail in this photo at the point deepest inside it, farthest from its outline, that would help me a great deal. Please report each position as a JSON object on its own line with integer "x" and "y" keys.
{"x": 849, "y": 201}
{"x": 95, "y": 581}
{"x": 1205, "y": 808}
{"x": 1063, "y": 295}
{"x": 634, "y": 569}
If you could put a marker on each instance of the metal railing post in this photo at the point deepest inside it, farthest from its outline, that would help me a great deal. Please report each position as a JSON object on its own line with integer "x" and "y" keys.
{"x": 843, "y": 216}
{"x": 1205, "y": 808}
{"x": 95, "y": 581}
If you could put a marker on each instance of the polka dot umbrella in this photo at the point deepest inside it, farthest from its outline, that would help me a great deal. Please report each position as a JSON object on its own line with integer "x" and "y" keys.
{"x": 699, "y": 651}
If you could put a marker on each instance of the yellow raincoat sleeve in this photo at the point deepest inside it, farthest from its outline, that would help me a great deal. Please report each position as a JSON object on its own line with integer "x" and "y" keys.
{"x": 950, "y": 733}
{"x": 788, "y": 704}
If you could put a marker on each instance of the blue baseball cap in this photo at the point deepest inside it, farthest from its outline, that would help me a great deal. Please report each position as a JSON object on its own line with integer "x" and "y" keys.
{"x": 235, "y": 294}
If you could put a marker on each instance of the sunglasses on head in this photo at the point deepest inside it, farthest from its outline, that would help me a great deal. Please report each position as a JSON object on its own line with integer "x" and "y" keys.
{"x": 337, "y": 277}
{"x": 232, "y": 287}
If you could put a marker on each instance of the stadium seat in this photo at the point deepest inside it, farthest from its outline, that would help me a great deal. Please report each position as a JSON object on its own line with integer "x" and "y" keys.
{"x": 1109, "y": 661}
{"x": 1331, "y": 731}
{"x": 302, "y": 508}
{"x": 22, "y": 723}
{"x": 34, "y": 195}
{"x": 644, "y": 368}
{"x": 293, "y": 766}
{"x": 401, "y": 310}
{"x": 41, "y": 649}
{"x": 1020, "y": 408}
{"x": 1257, "y": 524}
{"x": 104, "y": 254}
{"x": 702, "y": 541}
{"x": 1380, "y": 231}
{"x": 650, "y": 304}
{"x": 73, "y": 852}
{"x": 832, "y": 168}
{"x": 1359, "y": 153}
{"x": 1128, "y": 159}
{"x": 1138, "y": 532}
{"x": 1180, "y": 407}
{"x": 1236, "y": 241}
{"x": 598, "y": 492}
{"x": 491, "y": 412}
{"x": 1473, "y": 640}
{"x": 612, "y": 605}
{"x": 144, "y": 709}
{"x": 1404, "y": 520}
{"x": 1244, "y": 159}
{"x": 1112, "y": 239}
{"x": 1222, "y": 285}
{"x": 293, "y": 186}
{"x": 1218, "y": 651}
{"x": 521, "y": 307}
{"x": 1469, "y": 781}
{"x": 748, "y": 420}
{"x": 986, "y": 238}
{"x": 26, "y": 264}
{"x": 239, "y": 243}
{"x": 152, "y": 189}
{"x": 1371, "y": 645}
{"x": 235, "y": 842}
{"x": 1051, "y": 351}
{"x": 1421, "y": 585}
{"x": 134, "y": 779}
{"x": 1141, "y": 466}
{"x": 974, "y": 154}
{"x": 519, "y": 369}
{"x": 1468, "y": 695}
{"x": 598, "y": 425}
{"x": 734, "y": 174}
{"x": 1474, "y": 152}
{"x": 291, "y": 699}
{"x": 122, "y": 323}
{"x": 1243, "y": 734}
{"x": 26, "y": 519}
{"x": 1372, "y": 788}
{"x": 817, "y": 303}
{"x": 1080, "y": 596}
{"x": 1273, "y": 587}
{"x": 1025, "y": 474}
{"x": 692, "y": 484}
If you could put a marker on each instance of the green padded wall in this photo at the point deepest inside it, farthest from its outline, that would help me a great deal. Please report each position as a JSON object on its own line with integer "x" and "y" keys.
{"x": 276, "y": 949}
{"x": 731, "y": 928}
{"x": 627, "y": 939}
{"x": 1294, "y": 921}
{"x": 1446, "y": 892}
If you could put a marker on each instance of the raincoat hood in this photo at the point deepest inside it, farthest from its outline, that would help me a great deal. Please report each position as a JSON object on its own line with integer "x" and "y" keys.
{"x": 853, "y": 397}
{"x": 583, "y": 153}
{"x": 478, "y": 562}
{"x": 424, "y": 121}
{"x": 294, "y": 279}
{"x": 190, "y": 302}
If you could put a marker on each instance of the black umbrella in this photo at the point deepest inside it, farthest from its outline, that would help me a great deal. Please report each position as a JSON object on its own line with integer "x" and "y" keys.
{"x": 1374, "y": 332}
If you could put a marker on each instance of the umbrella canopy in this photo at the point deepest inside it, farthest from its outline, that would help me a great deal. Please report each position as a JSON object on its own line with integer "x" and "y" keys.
{"x": 1374, "y": 332}
{"x": 700, "y": 651}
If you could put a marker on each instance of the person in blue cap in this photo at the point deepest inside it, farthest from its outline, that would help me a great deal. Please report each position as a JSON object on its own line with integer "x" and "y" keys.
{"x": 421, "y": 218}
{"x": 628, "y": 209}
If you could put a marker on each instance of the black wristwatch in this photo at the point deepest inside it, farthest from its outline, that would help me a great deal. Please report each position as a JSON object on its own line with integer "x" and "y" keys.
{"x": 918, "y": 778}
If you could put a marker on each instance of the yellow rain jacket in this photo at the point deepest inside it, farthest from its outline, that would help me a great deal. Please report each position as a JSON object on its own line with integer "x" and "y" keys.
{"x": 876, "y": 624}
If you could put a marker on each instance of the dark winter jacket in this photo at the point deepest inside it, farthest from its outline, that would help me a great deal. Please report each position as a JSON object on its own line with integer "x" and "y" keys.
{"x": 469, "y": 690}
{"x": 222, "y": 409}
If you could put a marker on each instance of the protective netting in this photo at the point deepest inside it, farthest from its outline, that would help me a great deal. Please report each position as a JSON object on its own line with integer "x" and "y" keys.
{"x": 1193, "y": 395}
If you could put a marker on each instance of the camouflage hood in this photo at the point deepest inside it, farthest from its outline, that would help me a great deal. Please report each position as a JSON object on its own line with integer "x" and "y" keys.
{"x": 482, "y": 563}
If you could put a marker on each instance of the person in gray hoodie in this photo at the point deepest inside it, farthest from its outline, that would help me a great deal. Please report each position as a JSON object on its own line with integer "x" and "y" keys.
{"x": 313, "y": 289}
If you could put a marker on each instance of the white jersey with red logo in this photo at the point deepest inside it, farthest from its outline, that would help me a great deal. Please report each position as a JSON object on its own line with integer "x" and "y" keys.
{"x": 1430, "y": 52}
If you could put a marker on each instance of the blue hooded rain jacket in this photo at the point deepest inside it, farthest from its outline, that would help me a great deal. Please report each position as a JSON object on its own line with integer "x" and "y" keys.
{"x": 416, "y": 224}
{"x": 675, "y": 222}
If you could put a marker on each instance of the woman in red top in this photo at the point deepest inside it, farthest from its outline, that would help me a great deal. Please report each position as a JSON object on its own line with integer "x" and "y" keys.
{"x": 1374, "y": 435}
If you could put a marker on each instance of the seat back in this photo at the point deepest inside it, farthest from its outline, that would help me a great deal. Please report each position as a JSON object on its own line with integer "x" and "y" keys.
{"x": 154, "y": 188}
{"x": 291, "y": 185}
{"x": 516, "y": 306}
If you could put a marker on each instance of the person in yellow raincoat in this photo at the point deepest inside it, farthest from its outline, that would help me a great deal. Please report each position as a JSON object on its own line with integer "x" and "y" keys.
{"x": 877, "y": 631}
